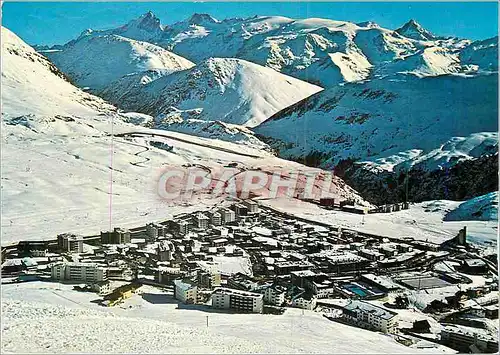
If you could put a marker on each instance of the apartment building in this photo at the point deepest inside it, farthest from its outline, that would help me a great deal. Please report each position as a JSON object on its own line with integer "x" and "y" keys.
{"x": 466, "y": 339}
{"x": 243, "y": 301}
{"x": 371, "y": 316}
{"x": 201, "y": 221}
{"x": 70, "y": 243}
{"x": 240, "y": 209}
{"x": 305, "y": 302}
{"x": 165, "y": 250}
{"x": 117, "y": 236}
{"x": 208, "y": 279}
{"x": 227, "y": 215}
{"x": 253, "y": 207}
{"x": 185, "y": 291}
{"x": 155, "y": 231}
{"x": 216, "y": 219}
{"x": 88, "y": 273}
{"x": 275, "y": 295}
{"x": 181, "y": 227}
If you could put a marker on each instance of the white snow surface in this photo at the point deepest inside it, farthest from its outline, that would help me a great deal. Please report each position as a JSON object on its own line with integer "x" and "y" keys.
{"x": 23, "y": 67}
{"x": 189, "y": 122}
{"x": 96, "y": 61}
{"x": 403, "y": 120}
{"x": 63, "y": 171}
{"x": 226, "y": 89}
{"x": 455, "y": 150}
{"x": 424, "y": 221}
{"x": 323, "y": 51}
{"x": 152, "y": 322}
{"x": 481, "y": 208}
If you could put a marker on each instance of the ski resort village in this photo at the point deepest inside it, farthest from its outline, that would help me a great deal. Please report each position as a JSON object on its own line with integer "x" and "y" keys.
{"x": 235, "y": 183}
{"x": 246, "y": 258}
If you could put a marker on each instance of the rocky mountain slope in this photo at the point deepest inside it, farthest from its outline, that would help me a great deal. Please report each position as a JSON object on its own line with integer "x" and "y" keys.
{"x": 224, "y": 89}
{"x": 66, "y": 168}
{"x": 383, "y": 129}
{"x": 96, "y": 61}
{"x": 401, "y": 118}
{"x": 321, "y": 51}
{"x": 463, "y": 180}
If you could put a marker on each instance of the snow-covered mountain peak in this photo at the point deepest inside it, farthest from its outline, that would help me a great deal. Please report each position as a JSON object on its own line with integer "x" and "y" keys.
{"x": 202, "y": 19}
{"x": 412, "y": 29}
{"x": 368, "y": 24}
{"x": 321, "y": 51}
{"x": 146, "y": 22}
{"x": 95, "y": 61}
{"x": 85, "y": 33}
{"x": 227, "y": 89}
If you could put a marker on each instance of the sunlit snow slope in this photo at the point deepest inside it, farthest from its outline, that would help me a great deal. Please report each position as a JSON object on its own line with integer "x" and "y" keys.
{"x": 63, "y": 171}
{"x": 226, "y": 89}
{"x": 96, "y": 61}
{"x": 321, "y": 51}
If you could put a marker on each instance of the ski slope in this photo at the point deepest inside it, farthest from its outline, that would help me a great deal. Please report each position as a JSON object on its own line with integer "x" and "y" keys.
{"x": 153, "y": 321}
{"x": 65, "y": 170}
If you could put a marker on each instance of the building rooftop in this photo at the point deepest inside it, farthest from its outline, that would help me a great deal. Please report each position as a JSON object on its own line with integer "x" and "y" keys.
{"x": 303, "y": 273}
{"x": 370, "y": 308}
{"x": 220, "y": 240}
{"x": 201, "y": 216}
{"x": 71, "y": 236}
{"x": 474, "y": 262}
{"x": 293, "y": 263}
{"x": 382, "y": 281}
{"x": 370, "y": 252}
{"x": 468, "y": 331}
{"x": 230, "y": 291}
{"x": 184, "y": 285}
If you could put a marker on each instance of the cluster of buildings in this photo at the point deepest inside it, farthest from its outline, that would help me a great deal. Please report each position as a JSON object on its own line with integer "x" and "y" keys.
{"x": 351, "y": 206}
{"x": 245, "y": 258}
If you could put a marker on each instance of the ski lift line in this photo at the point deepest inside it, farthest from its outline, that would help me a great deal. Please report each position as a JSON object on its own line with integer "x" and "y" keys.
{"x": 111, "y": 173}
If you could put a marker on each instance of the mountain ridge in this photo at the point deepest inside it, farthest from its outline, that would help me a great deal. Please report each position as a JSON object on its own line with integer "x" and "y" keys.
{"x": 301, "y": 48}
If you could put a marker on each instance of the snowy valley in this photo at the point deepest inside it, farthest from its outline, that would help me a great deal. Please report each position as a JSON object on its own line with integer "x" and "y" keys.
{"x": 399, "y": 124}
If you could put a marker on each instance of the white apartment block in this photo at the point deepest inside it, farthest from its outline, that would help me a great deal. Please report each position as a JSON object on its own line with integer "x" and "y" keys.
{"x": 70, "y": 243}
{"x": 89, "y": 273}
{"x": 367, "y": 314}
{"x": 304, "y": 303}
{"x": 274, "y": 296}
{"x": 185, "y": 291}
{"x": 182, "y": 227}
{"x": 253, "y": 207}
{"x": 227, "y": 298}
{"x": 201, "y": 221}
{"x": 227, "y": 215}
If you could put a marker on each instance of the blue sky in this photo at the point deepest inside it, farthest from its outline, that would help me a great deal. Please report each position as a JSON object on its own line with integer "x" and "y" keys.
{"x": 57, "y": 23}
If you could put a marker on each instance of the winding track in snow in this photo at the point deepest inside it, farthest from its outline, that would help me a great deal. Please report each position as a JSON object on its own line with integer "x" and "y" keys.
{"x": 146, "y": 149}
